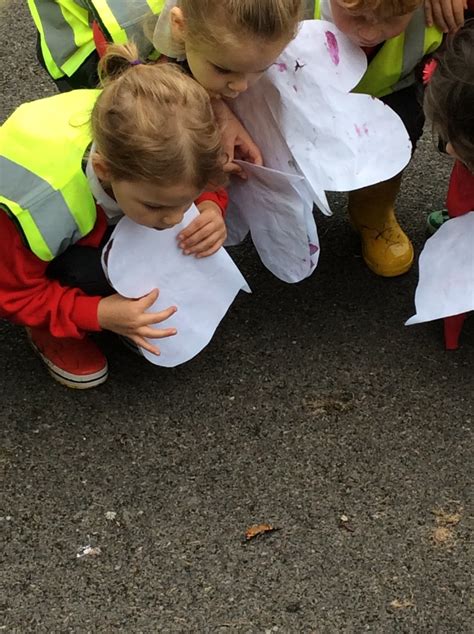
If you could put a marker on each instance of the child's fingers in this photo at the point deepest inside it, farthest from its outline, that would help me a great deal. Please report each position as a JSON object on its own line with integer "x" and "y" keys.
{"x": 146, "y": 345}
{"x": 211, "y": 251}
{"x": 191, "y": 229}
{"x": 156, "y": 333}
{"x": 442, "y": 16}
{"x": 428, "y": 14}
{"x": 250, "y": 151}
{"x": 157, "y": 318}
{"x": 197, "y": 238}
{"x": 212, "y": 244}
{"x": 458, "y": 11}
{"x": 148, "y": 300}
{"x": 233, "y": 168}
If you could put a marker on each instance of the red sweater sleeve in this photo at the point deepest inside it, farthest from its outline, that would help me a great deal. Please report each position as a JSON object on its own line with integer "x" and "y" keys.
{"x": 220, "y": 197}
{"x": 30, "y": 298}
{"x": 460, "y": 198}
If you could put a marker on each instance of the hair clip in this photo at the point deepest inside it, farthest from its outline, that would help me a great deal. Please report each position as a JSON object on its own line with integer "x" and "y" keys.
{"x": 136, "y": 62}
{"x": 428, "y": 70}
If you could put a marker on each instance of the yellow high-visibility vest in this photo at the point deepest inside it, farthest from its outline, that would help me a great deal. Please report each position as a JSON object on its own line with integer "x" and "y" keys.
{"x": 65, "y": 32}
{"x": 393, "y": 66}
{"x": 42, "y": 184}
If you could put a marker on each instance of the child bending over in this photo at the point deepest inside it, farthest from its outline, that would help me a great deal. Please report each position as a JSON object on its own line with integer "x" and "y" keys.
{"x": 146, "y": 146}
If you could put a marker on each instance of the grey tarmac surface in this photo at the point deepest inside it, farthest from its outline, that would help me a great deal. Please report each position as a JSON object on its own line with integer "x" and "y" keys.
{"x": 312, "y": 402}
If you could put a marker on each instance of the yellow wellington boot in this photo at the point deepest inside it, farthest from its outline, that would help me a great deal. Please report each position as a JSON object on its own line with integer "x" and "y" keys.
{"x": 386, "y": 249}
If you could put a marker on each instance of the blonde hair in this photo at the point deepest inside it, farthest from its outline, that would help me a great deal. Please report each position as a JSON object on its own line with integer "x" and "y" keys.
{"x": 267, "y": 19}
{"x": 152, "y": 122}
{"x": 382, "y": 9}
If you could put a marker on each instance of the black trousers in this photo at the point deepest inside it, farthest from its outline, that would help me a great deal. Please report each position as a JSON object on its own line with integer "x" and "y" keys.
{"x": 81, "y": 267}
{"x": 407, "y": 103}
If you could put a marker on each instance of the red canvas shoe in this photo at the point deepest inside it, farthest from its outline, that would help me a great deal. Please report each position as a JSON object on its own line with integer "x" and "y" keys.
{"x": 76, "y": 363}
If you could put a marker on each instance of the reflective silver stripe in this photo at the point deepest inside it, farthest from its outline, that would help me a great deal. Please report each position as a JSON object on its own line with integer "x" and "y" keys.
{"x": 58, "y": 34}
{"x": 46, "y": 205}
{"x": 130, "y": 15}
{"x": 413, "y": 49}
{"x": 309, "y": 8}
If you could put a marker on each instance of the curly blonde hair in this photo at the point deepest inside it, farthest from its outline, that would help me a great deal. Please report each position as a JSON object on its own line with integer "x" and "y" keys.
{"x": 152, "y": 122}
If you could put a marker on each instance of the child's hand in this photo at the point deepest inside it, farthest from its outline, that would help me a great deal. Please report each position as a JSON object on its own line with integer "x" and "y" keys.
{"x": 448, "y": 15}
{"x": 128, "y": 317}
{"x": 206, "y": 233}
{"x": 237, "y": 142}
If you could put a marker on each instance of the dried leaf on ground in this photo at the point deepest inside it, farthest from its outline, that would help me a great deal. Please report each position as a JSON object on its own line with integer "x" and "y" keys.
{"x": 258, "y": 530}
{"x": 329, "y": 403}
{"x": 445, "y": 524}
{"x": 444, "y": 518}
{"x": 402, "y": 604}
{"x": 442, "y": 535}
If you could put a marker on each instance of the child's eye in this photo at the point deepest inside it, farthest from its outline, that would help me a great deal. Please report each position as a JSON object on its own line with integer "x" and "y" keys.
{"x": 223, "y": 71}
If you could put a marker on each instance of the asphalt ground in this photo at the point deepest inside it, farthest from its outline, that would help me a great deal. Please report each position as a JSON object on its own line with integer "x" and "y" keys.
{"x": 313, "y": 409}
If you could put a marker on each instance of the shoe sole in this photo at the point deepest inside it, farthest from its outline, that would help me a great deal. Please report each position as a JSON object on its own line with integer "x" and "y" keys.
{"x": 393, "y": 273}
{"x": 66, "y": 378}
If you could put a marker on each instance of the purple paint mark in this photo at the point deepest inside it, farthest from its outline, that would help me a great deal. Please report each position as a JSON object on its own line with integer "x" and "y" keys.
{"x": 364, "y": 129}
{"x": 295, "y": 88}
{"x": 313, "y": 264}
{"x": 333, "y": 47}
{"x": 313, "y": 248}
{"x": 299, "y": 66}
{"x": 282, "y": 67}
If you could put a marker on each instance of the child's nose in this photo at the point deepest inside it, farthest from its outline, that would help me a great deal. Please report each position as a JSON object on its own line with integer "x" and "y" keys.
{"x": 170, "y": 220}
{"x": 370, "y": 33}
{"x": 239, "y": 85}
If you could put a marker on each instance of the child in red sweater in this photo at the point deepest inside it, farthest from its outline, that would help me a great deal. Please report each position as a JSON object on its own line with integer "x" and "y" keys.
{"x": 449, "y": 104}
{"x": 146, "y": 146}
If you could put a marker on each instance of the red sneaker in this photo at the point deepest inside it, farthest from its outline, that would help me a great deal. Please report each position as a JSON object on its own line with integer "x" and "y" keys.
{"x": 76, "y": 363}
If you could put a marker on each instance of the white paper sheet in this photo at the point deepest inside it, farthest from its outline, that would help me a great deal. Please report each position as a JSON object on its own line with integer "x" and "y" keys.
{"x": 284, "y": 234}
{"x": 307, "y": 124}
{"x": 446, "y": 285}
{"x": 138, "y": 259}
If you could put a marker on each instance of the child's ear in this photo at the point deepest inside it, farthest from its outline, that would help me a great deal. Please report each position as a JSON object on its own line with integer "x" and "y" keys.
{"x": 177, "y": 25}
{"x": 101, "y": 168}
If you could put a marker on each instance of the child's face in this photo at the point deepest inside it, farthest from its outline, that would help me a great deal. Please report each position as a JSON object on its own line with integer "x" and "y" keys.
{"x": 366, "y": 29}
{"x": 230, "y": 69}
{"x": 232, "y": 66}
{"x": 157, "y": 207}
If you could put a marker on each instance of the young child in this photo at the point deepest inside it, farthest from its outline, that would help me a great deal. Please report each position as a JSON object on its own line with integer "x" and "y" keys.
{"x": 146, "y": 146}
{"x": 449, "y": 104}
{"x": 225, "y": 44}
{"x": 394, "y": 35}
{"x": 65, "y": 44}
{"x": 437, "y": 218}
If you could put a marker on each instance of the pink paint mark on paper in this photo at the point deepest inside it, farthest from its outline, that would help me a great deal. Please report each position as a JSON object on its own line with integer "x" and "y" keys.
{"x": 333, "y": 47}
{"x": 313, "y": 248}
{"x": 361, "y": 130}
{"x": 282, "y": 67}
